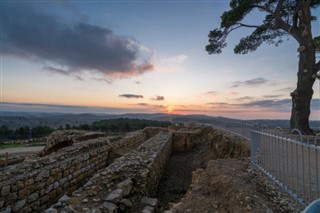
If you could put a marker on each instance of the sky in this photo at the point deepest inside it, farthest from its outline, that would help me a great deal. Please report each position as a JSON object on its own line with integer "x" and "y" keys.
{"x": 139, "y": 56}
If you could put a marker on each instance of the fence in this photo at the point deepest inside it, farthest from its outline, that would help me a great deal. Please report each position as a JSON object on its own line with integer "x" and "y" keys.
{"x": 289, "y": 159}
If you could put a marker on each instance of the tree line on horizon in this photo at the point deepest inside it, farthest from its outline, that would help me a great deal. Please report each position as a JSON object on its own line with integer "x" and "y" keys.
{"x": 120, "y": 125}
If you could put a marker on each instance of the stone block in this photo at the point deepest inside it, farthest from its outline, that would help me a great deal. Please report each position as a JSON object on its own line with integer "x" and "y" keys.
{"x": 19, "y": 205}
{"x": 44, "y": 199}
{"x": 35, "y": 205}
{"x": 70, "y": 209}
{"x": 148, "y": 209}
{"x": 110, "y": 207}
{"x": 126, "y": 186}
{"x": 64, "y": 199}
{"x": 56, "y": 185}
{"x": 20, "y": 184}
{"x": 48, "y": 189}
{"x": 6, "y": 210}
{"x": 33, "y": 197}
{"x": 127, "y": 203}
{"x": 5, "y": 190}
{"x": 40, "y": 185}
{"x": 63, "y": 181}
{"x": 50, "y": 180}
{"x": 115, "y": 196}
{"x": 26, "y": 209}
{"x": 29, "y": 181}
{"x": 11, "y": 198}
{"x": 23, "y": 193}
{"x": 50, "y": 210}
{"x": 43, "y": 174}
{"x": 149, "y": 201}
{"x": 54, "y": 171}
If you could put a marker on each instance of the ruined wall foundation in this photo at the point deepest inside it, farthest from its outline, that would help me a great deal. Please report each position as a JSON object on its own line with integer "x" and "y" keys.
{"x": 37, "y": 183}
{"x": 79, "y": 171}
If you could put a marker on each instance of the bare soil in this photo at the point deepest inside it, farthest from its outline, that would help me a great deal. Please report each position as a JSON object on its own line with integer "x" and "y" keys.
{"x": 194, "y": 182}
{"x": 177, "y": 176}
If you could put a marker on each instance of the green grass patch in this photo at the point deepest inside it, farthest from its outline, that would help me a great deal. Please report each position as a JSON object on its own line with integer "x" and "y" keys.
{"x": 3, "y": 146}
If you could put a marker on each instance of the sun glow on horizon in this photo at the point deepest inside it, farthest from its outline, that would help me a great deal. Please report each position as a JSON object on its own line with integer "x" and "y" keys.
{"x": 170, "y": 109}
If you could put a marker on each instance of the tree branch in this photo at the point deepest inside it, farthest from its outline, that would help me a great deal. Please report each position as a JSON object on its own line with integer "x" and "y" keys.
{"x": 317, "y": 67}
{"x": 295, "y": 18}
{"x": 280, "y": 24}
{"x": 252, "y": 26}
{"x": 229, "y": 31}
{"x": 266, "y": 9}
{"x": 278, "y": 9}
{"x": 264, "y": 26}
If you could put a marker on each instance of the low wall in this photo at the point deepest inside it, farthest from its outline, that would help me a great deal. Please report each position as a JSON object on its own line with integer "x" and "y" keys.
{"x": 62, "y": 138}
{"x": 36, "y": 184}
{"x": 186, "y": 140}
{"x": 152, "y": 131}
{"x": 135, "y": 173}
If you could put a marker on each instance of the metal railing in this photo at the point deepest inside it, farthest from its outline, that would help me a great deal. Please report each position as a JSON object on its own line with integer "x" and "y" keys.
{"x": 289, "y": 159}
{"x": 241, "y": 129}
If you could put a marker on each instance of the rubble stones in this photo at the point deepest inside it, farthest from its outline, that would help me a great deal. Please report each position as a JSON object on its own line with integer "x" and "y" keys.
{"x": 64, "y": 199}
{"x": 116, "y": 181}
{"x": 6, "y": 210}
{"x": 127, "y": 203}
{"x": 5, "y": 190}
{"x": 50, "y": 210}
{"x": 19, "y": 205}
{"x": 42, "y": 174}
{"x": 60, "y": 172}
{"x": 148, "y": 209}
{"x": 70, "y": 209}
{"x": 33, "y": 197}
{"x": 126, "y": 186}
{"x": 110, "y": 207}
{"x": 149, "y": 201}
{"x": 115, "y": 196}
{"x": 50, "y": 176}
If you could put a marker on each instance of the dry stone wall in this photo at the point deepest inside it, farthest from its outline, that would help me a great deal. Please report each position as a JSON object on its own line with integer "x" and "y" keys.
{"x": 136, "y": 173}
{"x": 75, "y": 158}
{"x": 36, "y": 184}
{"x": 63, "y": 138}
{"x": 186, "y": 140}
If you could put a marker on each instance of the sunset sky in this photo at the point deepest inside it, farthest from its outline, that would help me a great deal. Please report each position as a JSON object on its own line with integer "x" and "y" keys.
{"x": 139, "y": 56}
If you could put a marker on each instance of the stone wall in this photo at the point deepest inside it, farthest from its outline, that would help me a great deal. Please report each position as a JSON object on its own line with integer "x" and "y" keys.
{"x": 152, "y": 131}
{"x": 186, "y": 140}
{"x": 36, "y": 184}
{"x": 136, "y": 173}
{"x": 82, "y": 167}
{"x": 62, "y": 138}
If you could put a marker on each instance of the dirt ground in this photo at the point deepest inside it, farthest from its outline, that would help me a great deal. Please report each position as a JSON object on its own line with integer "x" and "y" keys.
{"x": 196, "y": 181}
{"x": 177, "y": 176}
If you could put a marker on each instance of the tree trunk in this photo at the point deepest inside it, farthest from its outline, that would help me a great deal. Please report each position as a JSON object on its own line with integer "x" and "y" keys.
{"x": 302, "y": 95}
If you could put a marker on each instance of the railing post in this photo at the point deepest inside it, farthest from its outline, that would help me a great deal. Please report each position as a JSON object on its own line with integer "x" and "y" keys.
{"x": 297, "y": 163}
{"x": 316, "y": 159}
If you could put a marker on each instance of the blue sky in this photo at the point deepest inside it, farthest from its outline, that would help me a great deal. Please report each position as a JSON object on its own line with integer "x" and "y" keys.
{"x": 58, "y": 55}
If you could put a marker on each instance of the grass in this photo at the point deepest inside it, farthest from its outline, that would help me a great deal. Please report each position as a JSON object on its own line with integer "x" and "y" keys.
{"x": 3, "y": 146}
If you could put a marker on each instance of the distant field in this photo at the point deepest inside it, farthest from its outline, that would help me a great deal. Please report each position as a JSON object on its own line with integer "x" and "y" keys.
{"x": 4, "y": 146}
{"x": 16, "y": 150}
